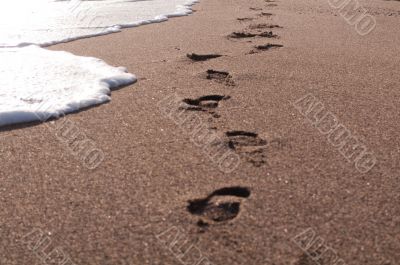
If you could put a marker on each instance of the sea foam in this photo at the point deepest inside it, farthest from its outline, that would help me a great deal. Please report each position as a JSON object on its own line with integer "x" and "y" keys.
{"x": 36, "y": 83}
{"x": 40, "y": 84}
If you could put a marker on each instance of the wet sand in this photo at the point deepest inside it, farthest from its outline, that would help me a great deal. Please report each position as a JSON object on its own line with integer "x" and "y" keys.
{"x": 159, "y": 194}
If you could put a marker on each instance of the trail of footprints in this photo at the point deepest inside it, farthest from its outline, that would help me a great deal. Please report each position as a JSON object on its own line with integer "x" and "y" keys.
{"x": 258, "y": 30}
{"x": 224, "y": 204}
{"x": 249, "y": 145}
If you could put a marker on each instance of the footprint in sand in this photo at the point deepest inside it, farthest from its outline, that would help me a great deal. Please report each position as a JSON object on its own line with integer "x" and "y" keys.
{"x": 267, "y": 34}
{"x": 265, "y": 47}
{"x": 265, "y": 14}
{"x": 220, "y": 77}
{"x": 245, "y": 34}
{"x": 248, "y": 145}
{"x": 202, "y": 57}
{"x": 245, "y": 18}
{"x": 205, "y": 103}
{"x": 263, "y": 26}
{"x": 255, "y": 8}
{"x": 241, "y": 35}
{"x": 220, "y": 206}
{"x": 268, "y": 46}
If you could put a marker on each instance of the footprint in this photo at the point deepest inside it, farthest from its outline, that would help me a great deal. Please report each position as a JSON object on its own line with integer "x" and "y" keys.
{"x": 248, "y": 145}
{"x": 205, "y": 103}
{"x": 267, "y": 34}
{"x": 268, "y": 46}
{"x": 265, "y": 14}
{"x": 221, "y": 77}
{"x": 264, "y": 26}
{"x": 216, "y": 208}
{"x": 265, "y": 47}
{"x": 243, "y": 35}
{"x": 202, "y": 57}
{"x": 245, "y": 18}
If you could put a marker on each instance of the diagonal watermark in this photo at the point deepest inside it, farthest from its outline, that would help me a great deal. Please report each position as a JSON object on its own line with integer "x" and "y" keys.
{"x": 355, "y": 15}
{"x": 71, "y": 136}
{"x": 181, "y": 247}
{"x": 337, "y": 134}
{"x": 207, "y": 140}
{"x": 41, "y": 244}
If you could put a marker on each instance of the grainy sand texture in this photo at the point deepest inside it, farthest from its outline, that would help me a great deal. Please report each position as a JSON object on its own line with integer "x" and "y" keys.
{"x": 284, "y": 149}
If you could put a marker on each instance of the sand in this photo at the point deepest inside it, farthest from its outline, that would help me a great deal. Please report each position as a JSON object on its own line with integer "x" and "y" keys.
{"x": 157, "y": 180}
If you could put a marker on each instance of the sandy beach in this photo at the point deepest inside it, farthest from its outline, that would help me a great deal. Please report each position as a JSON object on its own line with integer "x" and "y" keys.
{"x": 238, "y": 159}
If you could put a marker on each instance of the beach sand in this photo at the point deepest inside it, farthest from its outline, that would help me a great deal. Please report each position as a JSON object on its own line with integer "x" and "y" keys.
{"x": 290, "y": 178}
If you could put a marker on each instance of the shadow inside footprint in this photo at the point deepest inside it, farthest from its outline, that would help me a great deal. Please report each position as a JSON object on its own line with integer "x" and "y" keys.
{"x": 255, "y": 8}
{"x": 241, "y": 35}
{"x": 202, "y": 57}
{"x": 241, "y": 133}
{"x": 264, "y": 26}
{"x": 268, "y": 46}
{"x": 232, "y": 191}
{"x": 244, "y": 35}
{"x": 205, "y": 102}
{"x": 221, "y": 210}
{"x": 265, "y": 14}
{"x": 265, "y": 47}
{"x": 245, "y": 18}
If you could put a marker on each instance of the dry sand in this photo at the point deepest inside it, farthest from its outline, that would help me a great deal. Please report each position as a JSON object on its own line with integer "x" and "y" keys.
{"x": 290, "y": 177}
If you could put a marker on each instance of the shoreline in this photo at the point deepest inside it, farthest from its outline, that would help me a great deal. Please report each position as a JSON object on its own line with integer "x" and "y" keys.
{"x": 156, "y": 178}
{"x": 38, "y": 110}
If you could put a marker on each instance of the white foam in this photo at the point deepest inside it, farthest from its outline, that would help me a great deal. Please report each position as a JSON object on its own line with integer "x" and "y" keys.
{"x": 45, "y": 22}
{"x": 36, "y": 84}
{"x": 71, "y": 83}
